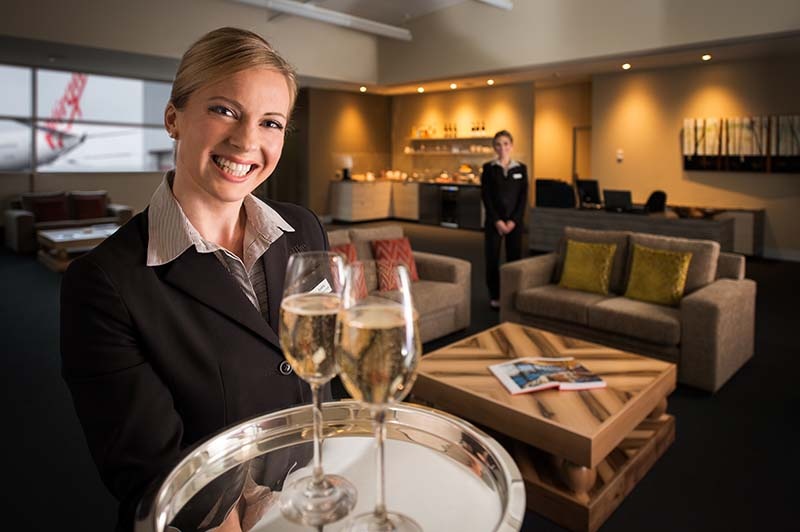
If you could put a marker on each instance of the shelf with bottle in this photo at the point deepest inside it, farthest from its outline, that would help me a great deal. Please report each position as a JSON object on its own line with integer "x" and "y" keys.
{"x": 450, "y": 146}
{"x": 450, "y": 131}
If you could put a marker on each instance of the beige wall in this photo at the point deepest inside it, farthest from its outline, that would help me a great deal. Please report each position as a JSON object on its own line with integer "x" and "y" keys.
{"x": 556, "y": 112}
{"x": 343, "y": 124}
{"x": 473, "y": 38}
{"x": 642, "y": 113}
{"x": 509, "y": 107}
{"x": 155, "y": 27}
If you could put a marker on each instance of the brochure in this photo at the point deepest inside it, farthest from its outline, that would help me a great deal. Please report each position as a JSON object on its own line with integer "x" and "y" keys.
{"x": 524, "y": 375}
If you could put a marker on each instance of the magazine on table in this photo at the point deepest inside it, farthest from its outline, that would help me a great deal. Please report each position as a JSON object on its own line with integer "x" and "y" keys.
{"x": 524, "y": 375}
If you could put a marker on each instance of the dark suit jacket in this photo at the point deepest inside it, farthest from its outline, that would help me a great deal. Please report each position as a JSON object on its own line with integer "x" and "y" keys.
{"x": 505, "y": 197}
{"x": 159, "y": 358}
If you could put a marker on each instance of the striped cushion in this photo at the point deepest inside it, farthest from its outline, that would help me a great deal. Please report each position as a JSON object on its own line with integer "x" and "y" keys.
{"x": 395, "y": 251}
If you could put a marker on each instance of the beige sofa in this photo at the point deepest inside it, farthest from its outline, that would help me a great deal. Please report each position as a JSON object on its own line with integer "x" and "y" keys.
{"x": 709, "y": 335}
{"x": 442, "y": 294}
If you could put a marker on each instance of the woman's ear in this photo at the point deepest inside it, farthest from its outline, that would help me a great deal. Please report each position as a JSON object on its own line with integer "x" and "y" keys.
{"x": 171, "y": 121}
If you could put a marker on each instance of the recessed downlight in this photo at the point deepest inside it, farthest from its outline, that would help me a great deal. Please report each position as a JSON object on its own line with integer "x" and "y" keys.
{"x": 453, "y": 86}
{"x": 490, "y": 82}
{"x": 626, "y": 66}
{"x": 362, "y": 89}
{"x": 420, "y": 89}
{"x": 706, "y": 57}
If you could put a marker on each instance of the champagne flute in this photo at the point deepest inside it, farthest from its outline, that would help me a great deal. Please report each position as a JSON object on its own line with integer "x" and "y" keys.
{"x": 378, "y": 351}
{"x": 311, "y": 302}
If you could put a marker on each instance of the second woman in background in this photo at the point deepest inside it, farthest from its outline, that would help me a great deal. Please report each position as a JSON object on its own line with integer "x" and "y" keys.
{"x": 504, "y": 189}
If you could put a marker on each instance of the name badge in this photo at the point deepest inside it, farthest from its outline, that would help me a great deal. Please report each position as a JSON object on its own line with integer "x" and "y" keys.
{"x": 322, "y": 288}
{"x": 516, "y": 176}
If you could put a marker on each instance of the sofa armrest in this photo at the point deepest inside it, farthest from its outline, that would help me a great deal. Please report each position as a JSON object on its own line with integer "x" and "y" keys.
{"x": 434, "y": 267}
{"x": 20, "y": 231}
{"x": 520, "y": 275}
{"x": 730, "y": 266}
{"x": 717, "y": 332}
{"x": 123, "y": 213}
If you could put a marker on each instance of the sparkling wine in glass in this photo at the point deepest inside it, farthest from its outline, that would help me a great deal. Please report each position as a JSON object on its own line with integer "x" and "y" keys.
{"x": 378, "y": 351}
{"x": 311, "y": 301}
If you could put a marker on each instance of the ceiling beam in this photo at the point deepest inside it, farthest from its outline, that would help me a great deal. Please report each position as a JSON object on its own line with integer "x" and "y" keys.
{"x": 502, "y": 4}
{"x": 332, "y": 17}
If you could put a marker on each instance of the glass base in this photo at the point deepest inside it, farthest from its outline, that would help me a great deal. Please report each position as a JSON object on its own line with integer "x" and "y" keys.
{"x": 391, "y": 522}
{"x": 304, "y": 503}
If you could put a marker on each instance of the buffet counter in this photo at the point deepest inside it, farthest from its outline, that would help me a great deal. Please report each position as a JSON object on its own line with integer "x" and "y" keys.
{"x": 447, "y": 204}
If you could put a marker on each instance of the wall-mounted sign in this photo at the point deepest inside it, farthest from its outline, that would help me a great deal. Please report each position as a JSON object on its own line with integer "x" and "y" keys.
{"x": 742, "y": 144}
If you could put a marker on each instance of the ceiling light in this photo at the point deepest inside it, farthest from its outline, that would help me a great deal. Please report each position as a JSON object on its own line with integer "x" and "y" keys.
{"x": 453, "y": 86}
{"x": 490, "y": 82}
{"x": 626, "y": 66}
{"x": 420, "y": 89}
{"x": 332, "y": 17}
{"x": 362, "y": 89}
{"x": 706, "y": 57}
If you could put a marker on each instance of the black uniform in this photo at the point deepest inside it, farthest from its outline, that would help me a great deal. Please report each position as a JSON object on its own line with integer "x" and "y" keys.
{"x": 504, "y": 198}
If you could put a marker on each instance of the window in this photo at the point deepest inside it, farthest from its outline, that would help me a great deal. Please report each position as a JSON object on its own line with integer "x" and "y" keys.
{"x": 84, "y": 122}
{"x": 15, "y": 116}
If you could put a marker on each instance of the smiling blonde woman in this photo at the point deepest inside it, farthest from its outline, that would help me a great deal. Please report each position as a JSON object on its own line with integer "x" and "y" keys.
{"x": 168, "y": 328}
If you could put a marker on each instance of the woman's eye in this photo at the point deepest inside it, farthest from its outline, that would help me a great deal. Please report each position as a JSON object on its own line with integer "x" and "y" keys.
{"x": 221, "y": 110}
{"x": 272, "y": 124}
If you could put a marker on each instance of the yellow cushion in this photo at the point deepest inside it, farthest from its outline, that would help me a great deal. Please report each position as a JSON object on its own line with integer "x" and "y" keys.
{"x": 587, "y": 266}
{"x": 658, "y": 275}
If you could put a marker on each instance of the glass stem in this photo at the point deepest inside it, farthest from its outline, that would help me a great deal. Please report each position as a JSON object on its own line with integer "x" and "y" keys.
{"x": 316, "y": 412}
{"x": 380, "y": 436}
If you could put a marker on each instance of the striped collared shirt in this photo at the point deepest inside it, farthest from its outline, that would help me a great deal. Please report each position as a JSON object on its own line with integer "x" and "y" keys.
{"x": 171, "y": 233}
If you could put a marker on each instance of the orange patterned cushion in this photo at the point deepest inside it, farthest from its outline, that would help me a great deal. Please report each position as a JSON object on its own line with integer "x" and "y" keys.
{"x": 395, "y": 251}
{"x": 387, "y": 276}
{"x": 359, "y": 280}
{"x": 348, "y": 251}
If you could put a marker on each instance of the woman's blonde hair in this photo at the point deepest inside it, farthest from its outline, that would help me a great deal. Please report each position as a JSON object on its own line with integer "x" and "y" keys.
{"x": 222, "y": 52}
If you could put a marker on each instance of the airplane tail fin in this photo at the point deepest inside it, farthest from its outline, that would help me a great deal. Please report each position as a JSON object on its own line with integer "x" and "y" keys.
{"x": 65, "y": 111}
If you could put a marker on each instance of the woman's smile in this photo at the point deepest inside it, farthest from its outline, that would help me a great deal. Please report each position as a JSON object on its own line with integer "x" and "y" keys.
{"x": 230, "y": 167}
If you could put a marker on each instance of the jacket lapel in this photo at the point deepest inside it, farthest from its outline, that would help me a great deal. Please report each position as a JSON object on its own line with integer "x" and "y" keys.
{"x": 203, "y": 277}
{"x": 275, "y": 259}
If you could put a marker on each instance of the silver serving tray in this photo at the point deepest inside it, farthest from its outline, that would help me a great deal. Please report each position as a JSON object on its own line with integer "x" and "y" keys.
{"x": 440, "y": 470}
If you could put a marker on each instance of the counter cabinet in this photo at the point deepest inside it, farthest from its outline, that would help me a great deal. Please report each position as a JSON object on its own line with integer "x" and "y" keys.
{"x": 448, "y": 205}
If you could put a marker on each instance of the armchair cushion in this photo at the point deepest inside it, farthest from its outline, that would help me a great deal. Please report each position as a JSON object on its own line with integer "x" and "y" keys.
{"x": 653, "y": 323}
{"x": 552, "y": 301}
{"x": 85, "y": 205}
{"x": 657, "y": 275}
{"x": 395, "y": 251}
{"x": 347, "y": 250}
{"x": 619, "y": 238}
{"x": 362, "y": 237}
{"x": 46, "y": 206}
{"x": 705, "y": 253}
{"x": 431, "y": 295}
{"x": 587, "y": 266}
{"x": 338, "y": 237}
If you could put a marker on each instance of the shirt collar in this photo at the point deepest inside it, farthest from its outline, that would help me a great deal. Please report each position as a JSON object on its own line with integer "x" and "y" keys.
{"x": 171, "y": 233}
{"x": 511, "y": 164}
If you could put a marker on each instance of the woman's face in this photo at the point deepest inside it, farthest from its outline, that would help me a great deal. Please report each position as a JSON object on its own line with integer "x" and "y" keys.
{"x": 230, "y": 134}
{"x": 503, "y": 147}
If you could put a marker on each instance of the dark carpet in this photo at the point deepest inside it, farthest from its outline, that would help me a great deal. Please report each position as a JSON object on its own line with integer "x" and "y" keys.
{"x": 732, "y": 466}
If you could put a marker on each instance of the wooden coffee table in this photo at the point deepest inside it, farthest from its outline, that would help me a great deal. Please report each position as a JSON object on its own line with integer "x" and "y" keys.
{"x": 60, "y": 246}
{"x": 580, "y": 452}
